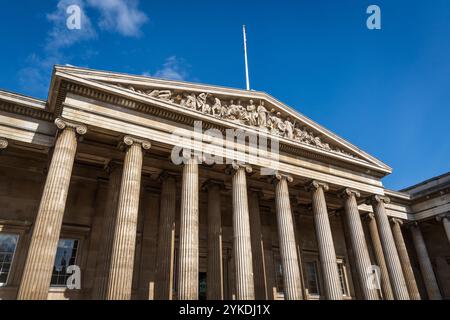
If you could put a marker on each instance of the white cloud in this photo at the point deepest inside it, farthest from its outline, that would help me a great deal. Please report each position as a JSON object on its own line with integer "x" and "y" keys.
{"x": 60, "y": 36}
{"x": 122, "y": 16}
{"x": 173, "y": 68}
{"x": 34, "y": 77}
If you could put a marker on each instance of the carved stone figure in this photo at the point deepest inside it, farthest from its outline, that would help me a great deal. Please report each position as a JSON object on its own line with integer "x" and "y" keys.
{"x": 217, "y": 107}
{"x": 191, "y": 101}
{"x": 262, "y": 115}
{"x": 279, "y": 125}
{"x": 223, "y": 111}
{"x": 309, "y": 138}
{"x": 289, "y": 128}
{"x": 160, "y": 94}
{"x": 233, "y": 112}
{"x": 252, "y": 114}
{"x": 202, "y": 104}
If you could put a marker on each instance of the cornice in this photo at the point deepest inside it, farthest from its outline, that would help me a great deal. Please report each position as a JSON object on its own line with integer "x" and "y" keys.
{"x": 25, "y": 110}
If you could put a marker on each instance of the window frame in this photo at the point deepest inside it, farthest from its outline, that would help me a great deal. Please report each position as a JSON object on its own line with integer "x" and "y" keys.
{"x": 20, "y": 228}
{"x": 312, "y": 257}
{"x": 12, "y": 263}
{"x": 345, "y": 281}
{"x": 76, "y": 262}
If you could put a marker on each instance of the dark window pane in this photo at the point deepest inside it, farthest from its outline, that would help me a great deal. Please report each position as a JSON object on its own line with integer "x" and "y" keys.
{"x": 65, "y": 256}
{"x": 312, "y": 282}
{"x": 8, "y": 244}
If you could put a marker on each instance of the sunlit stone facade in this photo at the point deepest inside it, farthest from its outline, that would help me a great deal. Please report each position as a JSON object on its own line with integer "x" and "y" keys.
{"x": 88, "y": 179}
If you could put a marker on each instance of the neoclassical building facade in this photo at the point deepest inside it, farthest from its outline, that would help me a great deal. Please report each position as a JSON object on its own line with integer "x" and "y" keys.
{"x": 155, "y": 189}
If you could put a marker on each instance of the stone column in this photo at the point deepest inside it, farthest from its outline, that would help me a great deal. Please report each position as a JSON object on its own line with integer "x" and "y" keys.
{"x": 288, "y": 248}
{"x": 166, "y": 239}
{"x": 3, "y": 143}
{"x": 358, "y": 243}
{"x": 188, "y": 253}
{"x": 327, "y": 254}
{"x": 107, "y": 236}
{"x": 214, "y": 288}
{"x": 124, "y": 243}
{"x": 404, "y": 259}
{"x": 241, "y": 235}
{"x": 426, "y": 269}
{"x": 259, "y": 270}
{"x": 386, "y": 288}
{"x": 390, "y": 252}
{"x": 445, "y": 218}
{"x": 47, "y": 226}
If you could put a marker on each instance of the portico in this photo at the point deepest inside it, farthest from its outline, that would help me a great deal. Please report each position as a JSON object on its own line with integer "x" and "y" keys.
{"x": 260, "y": 224}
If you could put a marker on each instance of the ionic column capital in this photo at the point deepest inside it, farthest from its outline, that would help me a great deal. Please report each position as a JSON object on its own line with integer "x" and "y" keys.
{"x": 376, "y": 199}
{"x": 369, "y": 216}
{"x": 3, "y": 143}
{"x": 396, "y": 221}
{"x": 347, "y": 193}
{"x": 443, "y": 216}
{"x": 129, "y": 141}
{"x": 62, "y": 124}
{"x": 235, "y": 166}
{"x": 279, "y": 176}
{"x": 315, "y": 185}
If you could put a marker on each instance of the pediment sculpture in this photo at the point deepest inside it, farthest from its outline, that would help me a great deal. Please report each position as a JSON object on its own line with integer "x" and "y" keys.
{"x": 249, "y": 113}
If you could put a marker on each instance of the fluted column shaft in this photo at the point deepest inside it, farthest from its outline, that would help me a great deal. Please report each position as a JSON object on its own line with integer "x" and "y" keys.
{"x": 107, "y": 236}
{"x": 445, "y": 218}
{"x": 404, "y": 260}
{"x": 188, "y": 253}
{"x": 394, "y": 268}
{"x": 288, "y": 248}
{"x": 214, "y": 289}
{"x": 379, "y": 257}
{"x": 325, "y": 243}
{"x": 166, "y": 239}
{"x": 120, "y": 277}
{"x": 259, "y": 270}
{"x": 358, "y": 243}
{"x": 446, "y": 223}
{"x": 47, "y": 226}
{"x": 426, "y": 269}
{"x": 241, "y": 236}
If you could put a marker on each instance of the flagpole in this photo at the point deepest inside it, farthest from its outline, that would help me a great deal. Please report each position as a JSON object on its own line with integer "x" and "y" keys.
{"x": 246, "y": 59}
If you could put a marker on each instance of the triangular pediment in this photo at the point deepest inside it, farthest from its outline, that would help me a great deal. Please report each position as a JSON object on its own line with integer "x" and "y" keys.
{"x": 248, "y": 109}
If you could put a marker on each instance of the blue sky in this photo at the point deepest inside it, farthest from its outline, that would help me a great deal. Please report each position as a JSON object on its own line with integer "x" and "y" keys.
{"x": 386, "y": 91}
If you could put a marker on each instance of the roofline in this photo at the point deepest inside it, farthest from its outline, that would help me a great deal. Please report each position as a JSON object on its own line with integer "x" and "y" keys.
{"x": 425, "y": 182}
{"x": 58, "y": 67}
{"x": 22, "y": 99}
{"x": 397, "y": 194}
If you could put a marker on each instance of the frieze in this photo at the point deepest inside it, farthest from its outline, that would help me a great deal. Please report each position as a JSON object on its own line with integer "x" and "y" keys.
{"x": 248, "y": 112}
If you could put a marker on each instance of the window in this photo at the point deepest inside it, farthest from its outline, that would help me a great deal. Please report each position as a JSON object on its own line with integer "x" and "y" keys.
{"x": 312, "y": 278}
{"x": 343, "y": 278}
{"x": 65, "y": 256}
{"x": 202, "y": 285}
{"x": 278, "y": 273}
{"x": 8, "y": 244}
